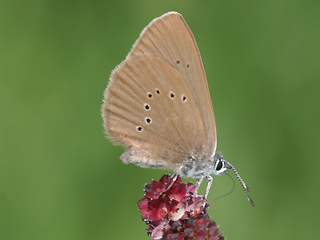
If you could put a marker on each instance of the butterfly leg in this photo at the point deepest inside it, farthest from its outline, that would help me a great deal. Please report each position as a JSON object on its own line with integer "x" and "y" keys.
{"x": 210, "y": 180}
{"x": 174, "y": 178}
{"x": 198, "y": 183}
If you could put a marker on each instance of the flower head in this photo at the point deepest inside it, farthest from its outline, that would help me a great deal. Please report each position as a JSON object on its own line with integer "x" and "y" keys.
{"x": 173, "y": 211}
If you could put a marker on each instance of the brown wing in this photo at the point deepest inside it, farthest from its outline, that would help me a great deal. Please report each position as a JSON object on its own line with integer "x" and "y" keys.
{"x": 157, "y": 102}
{"x": 170, "y": 37}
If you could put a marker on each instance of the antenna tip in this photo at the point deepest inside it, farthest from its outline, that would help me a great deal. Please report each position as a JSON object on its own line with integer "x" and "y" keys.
{"x": 251, "y": 202}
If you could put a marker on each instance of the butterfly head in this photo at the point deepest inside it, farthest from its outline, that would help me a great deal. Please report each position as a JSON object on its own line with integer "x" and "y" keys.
{"x": 221, "y": 166}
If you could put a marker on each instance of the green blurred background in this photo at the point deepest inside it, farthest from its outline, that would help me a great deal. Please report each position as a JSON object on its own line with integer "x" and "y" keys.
{"x": 61, "y": 179}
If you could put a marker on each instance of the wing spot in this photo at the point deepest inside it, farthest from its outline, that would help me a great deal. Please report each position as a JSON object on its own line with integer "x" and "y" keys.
{"x": 147, "y": 107}
{"x": 184, "y": 98}
{"x": 149, "y": 95}
{"x": 148, "y": 120}
{"x": 157, "y": 91}
{"x": 178, "y": 61}
{"x": 139, "y": 128}
{"x": 172, "y": 95}
{"x": 188, "y": 65}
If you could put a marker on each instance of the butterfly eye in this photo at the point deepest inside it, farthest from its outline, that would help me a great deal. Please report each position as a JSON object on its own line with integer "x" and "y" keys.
{"x": 219, "y": 165}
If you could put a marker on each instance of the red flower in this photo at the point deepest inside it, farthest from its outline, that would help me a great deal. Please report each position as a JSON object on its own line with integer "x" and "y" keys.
{"x": 172, "y": 211}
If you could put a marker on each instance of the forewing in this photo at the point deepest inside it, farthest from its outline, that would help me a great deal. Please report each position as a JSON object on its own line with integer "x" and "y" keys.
{"x": 157, "y": 103}
{"x": 170, "y": 37}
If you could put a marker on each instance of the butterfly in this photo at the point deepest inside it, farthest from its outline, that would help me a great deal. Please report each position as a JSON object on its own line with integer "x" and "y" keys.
{"x": 157, "y": 104}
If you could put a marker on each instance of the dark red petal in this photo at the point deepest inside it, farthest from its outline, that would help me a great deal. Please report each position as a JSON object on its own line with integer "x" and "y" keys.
{"x": 202, "y": 231}
{"x": 177, "y": 212}
{"x": 153, "y": 190}
{"x": 188, "y": 233}
{"x": 141, "y": 202}
{"x": 177, "y": 192}
{"x": 203, "y": 219}
{"x": 213, "y": 230}
{"x": 157, "y": 188}
{"x": 197, "y": 206}
{"x": 176, "y": 236}
{"x": 154, "y": 224}
{"x": 165, "y": 179}
{"x": 177, "y": 226}
{"x": 148, "y": 191}
{"x": 143, "y": 207}
{"x": 191, "y": 222}
{"x": 156, "y": 203}
{"x": 157, "y": 233}
{"x": 185, "y": 215}
{"x": 159, "y": 212}
{"x": 212, "y": 238}
{"x": 190, "y": 189}
{"x": 188, "y": 238}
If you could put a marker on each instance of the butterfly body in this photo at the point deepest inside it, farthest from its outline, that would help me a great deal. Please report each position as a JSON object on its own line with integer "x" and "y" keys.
{"x": 198, "y": 168}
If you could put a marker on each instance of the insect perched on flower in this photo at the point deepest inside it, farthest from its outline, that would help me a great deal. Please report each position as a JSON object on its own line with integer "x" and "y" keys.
{"x": 158, "y": 105}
